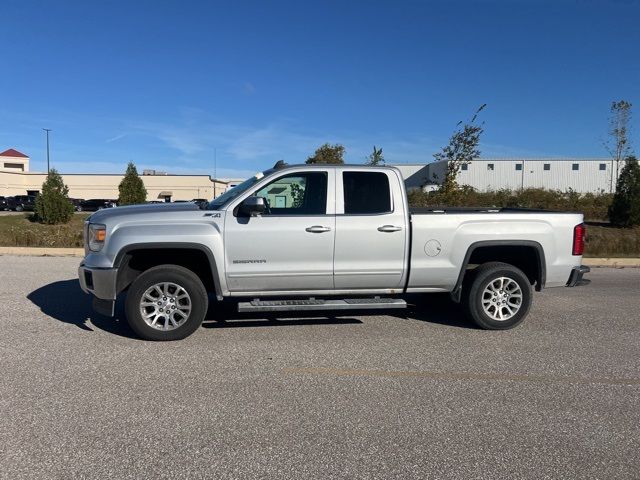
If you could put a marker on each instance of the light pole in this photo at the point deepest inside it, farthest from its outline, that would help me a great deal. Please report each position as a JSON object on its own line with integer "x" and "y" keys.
{"x": 47, "y": 130}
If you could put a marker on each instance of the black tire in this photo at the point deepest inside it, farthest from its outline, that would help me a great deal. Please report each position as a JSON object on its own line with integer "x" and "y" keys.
{"x": 474, "y": 291}
{"x": 19, "y": 208}
{"x": 181, "y": 276}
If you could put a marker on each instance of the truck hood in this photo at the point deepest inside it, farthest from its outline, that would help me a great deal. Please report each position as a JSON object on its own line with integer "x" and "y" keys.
{"x": 102, "y": 216}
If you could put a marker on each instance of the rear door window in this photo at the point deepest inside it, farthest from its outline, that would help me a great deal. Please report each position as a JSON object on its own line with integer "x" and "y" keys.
{"x": 366, "y": 193}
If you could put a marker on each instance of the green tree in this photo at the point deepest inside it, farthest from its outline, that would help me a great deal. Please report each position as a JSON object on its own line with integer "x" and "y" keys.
{"x": 328, "y": 154}
{"x": 131, "y": 189}
{"x": 376, "y": 157}
{"x": 463, "y": 147}
{"x": 53, "y": 205}
{"x": 625, "y": 208}
{"x": 297, "y": 195}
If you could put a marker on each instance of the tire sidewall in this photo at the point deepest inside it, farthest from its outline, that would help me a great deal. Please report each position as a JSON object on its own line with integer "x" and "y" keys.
{"x": 482, "y": 280}
{"x": 166, "y": 273}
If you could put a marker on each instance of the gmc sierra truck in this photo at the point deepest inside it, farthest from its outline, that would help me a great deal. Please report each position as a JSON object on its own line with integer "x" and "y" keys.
{"x": 322, "y": 237}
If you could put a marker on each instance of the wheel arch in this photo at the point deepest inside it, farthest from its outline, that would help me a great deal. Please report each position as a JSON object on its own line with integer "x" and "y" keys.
{"x": 135, "y": 258}
{"x": 505, "y": 251}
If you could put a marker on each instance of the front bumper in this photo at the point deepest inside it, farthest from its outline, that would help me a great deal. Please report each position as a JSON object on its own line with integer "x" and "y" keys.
{"x": 575, "y": 279}
{"x": 101, "y": 283}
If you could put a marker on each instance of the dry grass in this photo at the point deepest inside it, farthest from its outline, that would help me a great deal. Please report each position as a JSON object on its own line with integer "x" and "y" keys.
{"x": 21, "y": 231}
{"x": 607, "y": 241}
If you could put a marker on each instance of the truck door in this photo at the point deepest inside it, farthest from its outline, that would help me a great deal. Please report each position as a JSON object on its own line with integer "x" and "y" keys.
{"x": 289, "y": 246}
{"x": 371, "y": 231}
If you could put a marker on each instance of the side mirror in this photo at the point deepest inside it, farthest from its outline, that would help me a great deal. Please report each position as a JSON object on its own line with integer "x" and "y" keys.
{"x": 252, "y": 206}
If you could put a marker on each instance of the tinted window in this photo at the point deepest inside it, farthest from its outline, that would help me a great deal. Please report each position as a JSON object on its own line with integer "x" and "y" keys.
{"x": 366, "y": 193}
{"x": 296, "y": 194}
{"x": 603, "y": 166}
{"x": 518, "y": 166}
{"x": 489, "y": 166}
{"x": 465, "y": 166}
{"x": 547, "y": 166}
{"x": 575, "y": 166}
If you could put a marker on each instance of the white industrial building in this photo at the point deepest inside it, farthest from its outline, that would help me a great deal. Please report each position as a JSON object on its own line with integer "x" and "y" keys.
{"x": 582, "y": 175}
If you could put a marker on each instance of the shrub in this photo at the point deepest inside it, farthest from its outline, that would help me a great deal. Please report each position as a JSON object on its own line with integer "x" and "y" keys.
{"x": 625, "y": 208}
{"x": 53, "y": 205}
{"x": 131, "y": 189}
{"x": 594, "y": 206}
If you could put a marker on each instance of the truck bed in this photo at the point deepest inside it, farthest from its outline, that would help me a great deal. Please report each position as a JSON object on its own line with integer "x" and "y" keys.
{"x": 441, "y": 237}
{"x": 441, "y": 210}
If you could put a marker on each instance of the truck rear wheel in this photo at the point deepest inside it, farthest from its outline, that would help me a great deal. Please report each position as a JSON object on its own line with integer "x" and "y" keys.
{"x": 497, "y": 296}
{"x": 167, "y": 302}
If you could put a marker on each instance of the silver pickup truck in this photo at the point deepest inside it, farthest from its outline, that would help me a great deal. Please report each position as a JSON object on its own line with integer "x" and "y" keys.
{"x": 322, "y": 237}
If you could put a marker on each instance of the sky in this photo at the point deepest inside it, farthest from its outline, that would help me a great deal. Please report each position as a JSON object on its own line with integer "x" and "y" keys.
{"x": 229, "y": 87}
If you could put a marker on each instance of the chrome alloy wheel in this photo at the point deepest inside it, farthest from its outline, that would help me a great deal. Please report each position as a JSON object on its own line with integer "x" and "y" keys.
{"x": 502, "y": 298}
{"x": 165, "y": 306}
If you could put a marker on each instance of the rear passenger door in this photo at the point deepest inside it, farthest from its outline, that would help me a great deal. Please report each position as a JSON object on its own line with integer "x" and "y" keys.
{"x": 371, "y": 230}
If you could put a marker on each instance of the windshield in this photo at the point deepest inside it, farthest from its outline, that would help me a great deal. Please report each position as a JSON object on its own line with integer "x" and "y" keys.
{"x": 226, "y": 197}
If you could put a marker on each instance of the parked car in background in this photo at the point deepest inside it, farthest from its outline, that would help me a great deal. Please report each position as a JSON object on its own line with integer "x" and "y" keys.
{"x": 95, "y": 204}
{"x": 21, "y": 203}
{"x": 201, "y": 202}
{"x": 76, "y": 203}
{"x": 4, "y": 204}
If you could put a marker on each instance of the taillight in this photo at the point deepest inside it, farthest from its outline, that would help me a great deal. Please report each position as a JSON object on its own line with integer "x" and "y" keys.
{"x": 579, "y": 232}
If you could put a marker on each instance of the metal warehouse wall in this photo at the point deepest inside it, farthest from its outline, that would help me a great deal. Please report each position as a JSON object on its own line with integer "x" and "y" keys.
{"x": 504, "y": 174}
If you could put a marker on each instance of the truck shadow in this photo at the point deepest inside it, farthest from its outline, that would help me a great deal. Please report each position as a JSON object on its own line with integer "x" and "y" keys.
{"x": 65, "y": 302}
{"x": 432, "y": 308}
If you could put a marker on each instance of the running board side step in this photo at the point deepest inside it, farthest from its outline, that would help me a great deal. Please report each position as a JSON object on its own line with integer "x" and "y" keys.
{"x": 313, "y": 304}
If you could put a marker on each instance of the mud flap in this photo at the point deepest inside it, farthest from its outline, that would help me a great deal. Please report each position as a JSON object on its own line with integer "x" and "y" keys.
{"x": 104, "y": 307}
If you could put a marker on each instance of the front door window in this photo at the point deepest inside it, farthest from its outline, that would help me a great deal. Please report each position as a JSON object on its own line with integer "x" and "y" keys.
{"x": 296, "y": 194}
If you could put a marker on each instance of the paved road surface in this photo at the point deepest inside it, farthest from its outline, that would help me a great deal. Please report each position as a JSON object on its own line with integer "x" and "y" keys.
{"x": 421, "y": 394}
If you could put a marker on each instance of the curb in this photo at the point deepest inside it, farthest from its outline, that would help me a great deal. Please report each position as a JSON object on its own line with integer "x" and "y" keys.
{"x": 42, "y": 252}
{"x": 612, "y": 262}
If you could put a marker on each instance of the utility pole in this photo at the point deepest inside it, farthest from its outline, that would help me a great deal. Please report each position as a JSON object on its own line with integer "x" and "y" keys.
{"x": 215, "y": 172}
{"x": 47, "y": 130}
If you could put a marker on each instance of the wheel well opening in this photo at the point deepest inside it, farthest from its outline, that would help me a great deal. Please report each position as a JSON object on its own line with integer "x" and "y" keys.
{"x": 524, "y": 257}
{"x": 137, "y": 261}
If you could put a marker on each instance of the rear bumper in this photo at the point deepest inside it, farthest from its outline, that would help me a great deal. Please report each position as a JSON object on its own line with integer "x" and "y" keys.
{"x": 576, "y": 278}
{"x": 101, "y": 283}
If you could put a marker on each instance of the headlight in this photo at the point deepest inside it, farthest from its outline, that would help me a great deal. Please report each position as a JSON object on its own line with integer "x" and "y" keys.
{"x": 97, "y": 234}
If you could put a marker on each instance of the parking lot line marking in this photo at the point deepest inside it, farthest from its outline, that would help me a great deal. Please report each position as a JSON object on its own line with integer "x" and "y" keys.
{"x": 463, "y": 376}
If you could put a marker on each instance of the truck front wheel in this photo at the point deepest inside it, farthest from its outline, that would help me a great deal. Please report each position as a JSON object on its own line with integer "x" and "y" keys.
{"x": 167, "y": 302}
{"x": 497, "y": 296}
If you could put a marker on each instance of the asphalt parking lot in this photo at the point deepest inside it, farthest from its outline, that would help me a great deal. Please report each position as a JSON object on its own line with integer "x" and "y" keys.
{"x": 416, "y": 394}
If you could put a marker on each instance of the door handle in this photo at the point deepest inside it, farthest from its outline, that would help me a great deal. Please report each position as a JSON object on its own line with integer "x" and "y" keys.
{"x": 318, "y": 229}
{"x": 389, "y": 228}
